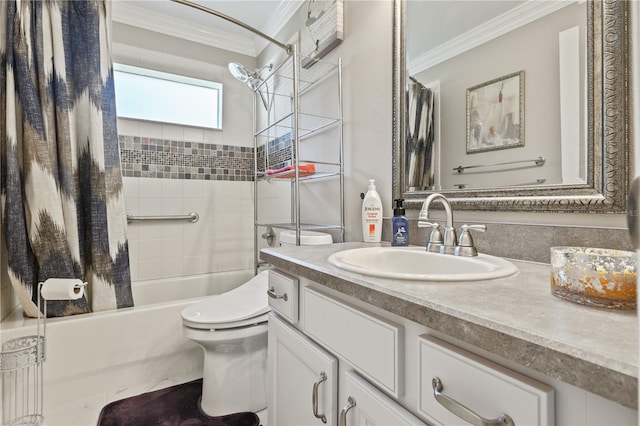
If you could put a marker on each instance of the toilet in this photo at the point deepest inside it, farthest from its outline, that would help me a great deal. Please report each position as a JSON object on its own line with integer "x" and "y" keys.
{"x": 231, "y": 328}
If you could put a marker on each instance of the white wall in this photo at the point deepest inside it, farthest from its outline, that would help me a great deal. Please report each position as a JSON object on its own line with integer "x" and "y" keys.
{"x": 367, "y": 90}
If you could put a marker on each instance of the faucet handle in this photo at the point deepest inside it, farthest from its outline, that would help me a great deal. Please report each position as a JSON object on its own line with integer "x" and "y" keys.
{"x": 465, "y": 242}
{"x": 435, "y": 238}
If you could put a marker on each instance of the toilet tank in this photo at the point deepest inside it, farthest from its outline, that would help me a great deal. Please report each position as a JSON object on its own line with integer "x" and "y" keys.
{"x": 307, "y": 238}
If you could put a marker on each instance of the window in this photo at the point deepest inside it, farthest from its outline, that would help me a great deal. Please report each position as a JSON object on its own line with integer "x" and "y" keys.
{"x": 169, "y": 98}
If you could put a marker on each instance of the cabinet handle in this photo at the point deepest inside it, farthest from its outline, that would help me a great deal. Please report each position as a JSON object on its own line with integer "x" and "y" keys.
{"x": 272, "y": 294}
{"x": 314, "y": 397}
{"x": 351, "y": 402}
{"x": 463, "y": 412}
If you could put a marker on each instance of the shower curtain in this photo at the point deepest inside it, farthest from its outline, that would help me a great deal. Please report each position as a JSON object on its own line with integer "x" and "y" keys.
{"x": 62, "y": 203}
{"x": 419, "y": 158}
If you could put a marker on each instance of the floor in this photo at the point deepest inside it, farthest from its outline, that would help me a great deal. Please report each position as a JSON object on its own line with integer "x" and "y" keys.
{"x": 85, "y": 410}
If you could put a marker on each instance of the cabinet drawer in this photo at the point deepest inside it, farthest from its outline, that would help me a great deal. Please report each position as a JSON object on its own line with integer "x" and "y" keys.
{"x": 365, "y": 405}
{"x": 283, "y": 295}
{"x": 374, "y": 347}
{"x": 482, "y": 386}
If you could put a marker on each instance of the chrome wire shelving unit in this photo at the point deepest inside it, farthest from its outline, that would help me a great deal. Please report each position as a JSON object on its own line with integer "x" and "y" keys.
{"x": 296, "y": 126}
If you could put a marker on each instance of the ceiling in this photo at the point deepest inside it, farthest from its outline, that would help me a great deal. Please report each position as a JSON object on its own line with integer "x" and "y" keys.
{"x": 182, "y": 21}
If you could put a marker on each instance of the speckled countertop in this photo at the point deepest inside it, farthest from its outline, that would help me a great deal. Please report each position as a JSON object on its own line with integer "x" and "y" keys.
{"x": 516, "y": 318}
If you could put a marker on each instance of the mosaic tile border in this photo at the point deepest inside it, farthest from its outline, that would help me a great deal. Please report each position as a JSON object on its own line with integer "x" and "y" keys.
{"x": 173, "y": 159}
{"x": 279, "y": 150}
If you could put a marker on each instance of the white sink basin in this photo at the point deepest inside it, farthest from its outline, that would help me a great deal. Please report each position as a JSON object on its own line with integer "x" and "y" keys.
{"x": 415, "y": 263}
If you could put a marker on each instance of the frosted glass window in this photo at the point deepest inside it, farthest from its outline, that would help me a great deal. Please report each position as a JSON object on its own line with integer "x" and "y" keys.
{"x": 168, "y": 98}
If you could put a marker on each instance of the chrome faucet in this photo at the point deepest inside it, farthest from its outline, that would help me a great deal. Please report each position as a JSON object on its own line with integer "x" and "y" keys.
{"x": 437, "y": 243}
{"x": 449, "y": 244}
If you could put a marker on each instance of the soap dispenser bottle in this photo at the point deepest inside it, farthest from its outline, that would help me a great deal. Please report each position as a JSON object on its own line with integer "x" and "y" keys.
{"x": 400, "y": 225}
{"x": 372, "y": 215}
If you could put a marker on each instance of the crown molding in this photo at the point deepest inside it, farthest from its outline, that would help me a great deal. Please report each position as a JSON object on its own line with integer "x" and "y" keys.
{"x": 277, "y": 21}
{"x": 494, "y": 28}
{"x": 129, "y": 14}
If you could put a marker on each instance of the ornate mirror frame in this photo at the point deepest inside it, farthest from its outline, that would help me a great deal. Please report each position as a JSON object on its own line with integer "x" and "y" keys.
{"x": 609, "y": 148}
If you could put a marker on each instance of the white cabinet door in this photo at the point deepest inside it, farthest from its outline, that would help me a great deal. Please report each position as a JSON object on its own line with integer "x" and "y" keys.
{"x": 456, "y": 384}
{"x": 299, "y": 373}
{"x": 365, "y": 405}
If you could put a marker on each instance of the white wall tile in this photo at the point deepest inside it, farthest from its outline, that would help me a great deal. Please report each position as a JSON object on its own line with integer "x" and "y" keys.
{"x": 172, "y": 188}
{"x": 202, "y": 264}
{"x": 149, "y": 269}
{"x": 194, "y": 134}
{"x": 172, "y": 247}
{"x": 128, "y": 127}
{"x": 172, "y": 206}
{"x": 173, "y": 132}
{"x": 133, "y": 265}
{"x": 150, "y": 249}
{"x": 174, "y": 229}
{"x": 130, "y": 187}
{"x": 148, "y": 230}
{"x": 192, "y": 188}
{"x": 172, "y": 267}
{"x": 134, "y": 249}
{"x": 150, "y": 206}
{"x": 150, "y": 130}
{"x": 212, "y": 136}
{"x": 150, "y": 188}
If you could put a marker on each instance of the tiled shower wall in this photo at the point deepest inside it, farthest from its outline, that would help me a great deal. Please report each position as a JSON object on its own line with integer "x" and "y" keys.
{"x": 170, "y": 170}
{"x": 175, "y": 170}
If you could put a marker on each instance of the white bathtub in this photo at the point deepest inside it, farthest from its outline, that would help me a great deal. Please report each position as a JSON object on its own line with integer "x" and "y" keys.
{"x": 97, "y": 358}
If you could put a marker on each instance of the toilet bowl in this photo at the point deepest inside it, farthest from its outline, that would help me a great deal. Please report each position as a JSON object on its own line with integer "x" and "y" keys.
{"x": 231, "y": 328}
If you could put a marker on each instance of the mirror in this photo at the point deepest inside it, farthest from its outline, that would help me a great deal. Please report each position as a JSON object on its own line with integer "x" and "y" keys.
{"x": 494, "y": 144}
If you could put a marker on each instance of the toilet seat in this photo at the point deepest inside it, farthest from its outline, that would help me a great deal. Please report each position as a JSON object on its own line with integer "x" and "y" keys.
{"x": 243, "y": 306}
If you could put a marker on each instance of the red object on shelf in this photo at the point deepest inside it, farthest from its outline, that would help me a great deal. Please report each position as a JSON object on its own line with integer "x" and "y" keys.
{"x": 289, "y": 171}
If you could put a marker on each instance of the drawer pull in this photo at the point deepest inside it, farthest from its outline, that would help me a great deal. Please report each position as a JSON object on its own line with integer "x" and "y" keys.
{"x": 463, "y": 412}
{"x": 272, "y": 294}
{"x": 314, "y": 397}
{"x": 351, "y": 402}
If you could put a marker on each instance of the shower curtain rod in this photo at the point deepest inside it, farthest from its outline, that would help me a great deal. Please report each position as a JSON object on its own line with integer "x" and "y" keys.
{"x": 286, "y": 47}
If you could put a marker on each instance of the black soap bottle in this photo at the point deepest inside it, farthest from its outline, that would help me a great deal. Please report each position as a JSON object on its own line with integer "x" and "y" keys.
{"x": 400, "y": 225}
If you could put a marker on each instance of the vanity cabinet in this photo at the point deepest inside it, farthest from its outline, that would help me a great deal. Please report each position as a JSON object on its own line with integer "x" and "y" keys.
{"x": 302, "y": 378}
{"x": 340, "y": 363}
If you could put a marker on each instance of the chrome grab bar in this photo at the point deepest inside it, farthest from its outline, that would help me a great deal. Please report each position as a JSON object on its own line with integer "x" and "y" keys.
{"x": 314, "y": 398}
{"x": 465, "y": 413}
{"x": 539, "y": 161}
{"x": 192, "y": 217}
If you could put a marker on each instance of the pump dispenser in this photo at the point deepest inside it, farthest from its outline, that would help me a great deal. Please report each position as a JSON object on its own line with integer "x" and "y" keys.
{"x": 400, "y": 225}
{"x": 372, "y": 215}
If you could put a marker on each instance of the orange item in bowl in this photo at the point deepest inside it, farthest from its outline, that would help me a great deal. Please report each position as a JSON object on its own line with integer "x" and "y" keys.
{"x": 604, "y": 278}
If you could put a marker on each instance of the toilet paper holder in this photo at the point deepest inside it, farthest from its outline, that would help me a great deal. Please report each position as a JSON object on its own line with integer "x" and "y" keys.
{"x": 21, "y": 359}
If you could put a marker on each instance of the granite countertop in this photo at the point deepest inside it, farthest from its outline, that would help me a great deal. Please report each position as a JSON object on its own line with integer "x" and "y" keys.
{"x": 516, "y": 318}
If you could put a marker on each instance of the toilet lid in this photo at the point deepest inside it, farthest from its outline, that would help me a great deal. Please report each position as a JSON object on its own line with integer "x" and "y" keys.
{"x": 236, "y": 306}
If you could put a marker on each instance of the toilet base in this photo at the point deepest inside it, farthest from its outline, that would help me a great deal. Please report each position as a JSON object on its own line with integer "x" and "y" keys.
{"x": 235, "y": 373}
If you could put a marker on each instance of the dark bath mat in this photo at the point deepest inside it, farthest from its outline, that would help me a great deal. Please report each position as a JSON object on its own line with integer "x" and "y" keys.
{"x": 173, "y": 406}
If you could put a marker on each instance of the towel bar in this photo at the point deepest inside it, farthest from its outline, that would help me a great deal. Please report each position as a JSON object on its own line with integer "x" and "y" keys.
{"x": 192, "y": 217}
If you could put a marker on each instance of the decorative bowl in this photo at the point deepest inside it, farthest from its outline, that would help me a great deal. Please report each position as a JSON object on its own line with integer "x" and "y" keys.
{"x": 598, "y": 277}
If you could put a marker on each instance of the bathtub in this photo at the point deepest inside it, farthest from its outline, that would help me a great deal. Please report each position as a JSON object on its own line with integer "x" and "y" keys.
{"x": 96, "y": 358}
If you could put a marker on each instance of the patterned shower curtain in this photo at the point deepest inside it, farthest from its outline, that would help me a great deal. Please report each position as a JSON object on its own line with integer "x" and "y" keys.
{"x": 62, "y": 204}
{"x": 420, "y": 159}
